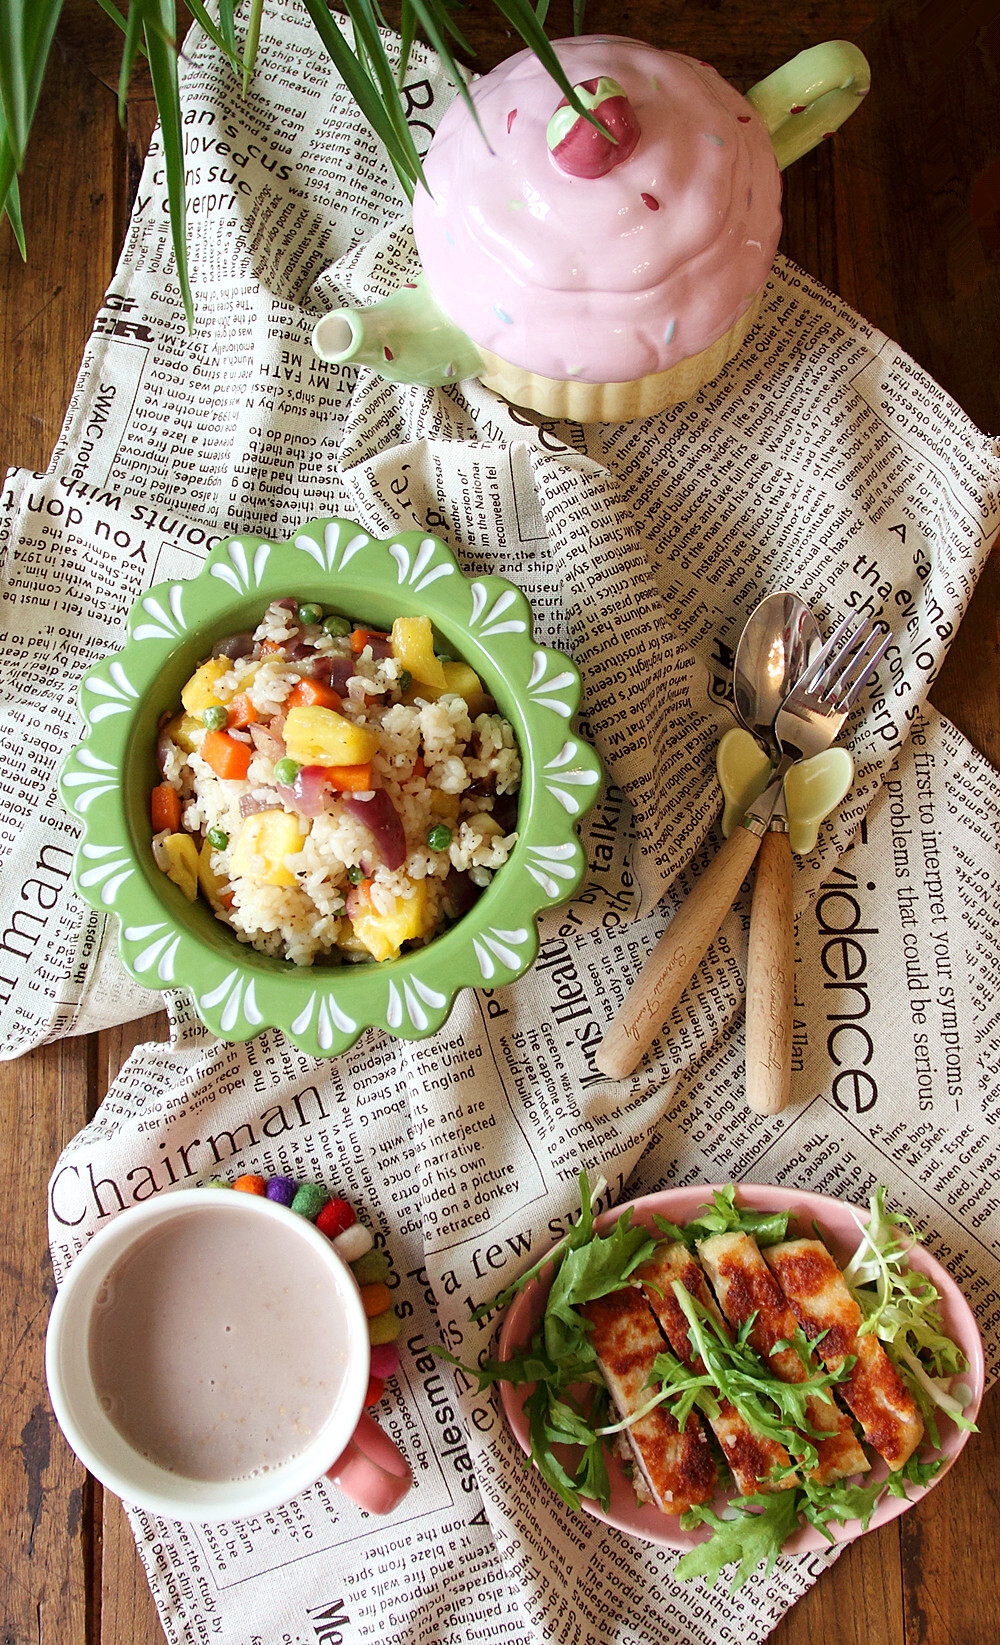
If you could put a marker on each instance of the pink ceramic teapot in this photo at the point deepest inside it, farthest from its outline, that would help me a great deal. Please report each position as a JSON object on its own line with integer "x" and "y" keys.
{"x": 590, "y": 276}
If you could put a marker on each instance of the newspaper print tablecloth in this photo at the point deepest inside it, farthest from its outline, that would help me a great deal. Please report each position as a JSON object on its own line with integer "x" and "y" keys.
{"x": 821, "y": 459}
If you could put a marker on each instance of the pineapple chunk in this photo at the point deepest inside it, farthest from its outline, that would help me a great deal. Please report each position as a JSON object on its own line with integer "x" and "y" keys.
{"x": 212, "y": 884}
{"x": 266, "y": 839}
{"x": 459, "y": 681}
{"x": 465, "y": 682}
{"x": 484, "y": 823}
{"x": 384, "y": 934}
{"x": 200, "y": 692}
{"x": 413, "y": 645}
{"x": 181, "y": 857}
{"x": 445, "y": 806}
{"x": 183, "y": 729}
{"x": 321, "y": 736}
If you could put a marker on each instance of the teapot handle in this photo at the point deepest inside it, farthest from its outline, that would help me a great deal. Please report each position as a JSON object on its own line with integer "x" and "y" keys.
{"x": 810, "y": 96}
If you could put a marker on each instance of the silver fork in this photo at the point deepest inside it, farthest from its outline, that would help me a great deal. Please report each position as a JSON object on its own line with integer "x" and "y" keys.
{"x": 808, "y": 721}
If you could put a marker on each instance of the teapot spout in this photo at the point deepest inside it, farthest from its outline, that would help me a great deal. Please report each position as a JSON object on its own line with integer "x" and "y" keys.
{"x": 406, "y": 338}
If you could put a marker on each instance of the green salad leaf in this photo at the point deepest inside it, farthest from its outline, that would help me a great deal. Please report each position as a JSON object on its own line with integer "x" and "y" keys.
{"x": 726, "y": 1217}
{"x": 753, "y": 1536}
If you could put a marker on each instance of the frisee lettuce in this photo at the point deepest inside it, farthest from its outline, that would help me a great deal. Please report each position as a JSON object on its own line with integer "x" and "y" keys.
{"x": 903, "y": 1308}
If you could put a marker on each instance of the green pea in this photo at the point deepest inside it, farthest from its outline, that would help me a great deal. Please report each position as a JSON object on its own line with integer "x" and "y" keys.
{"x": 336, "y": 626}
{"x": 307, "y": 614}
{"x": 213, "y": 719}
{"x": 405, "y": 680}
{"x": 355, "y": 874}
{"x": 439, "y": 837}
{"x": 286, "y": 771}
{"x": 218, "y": 839}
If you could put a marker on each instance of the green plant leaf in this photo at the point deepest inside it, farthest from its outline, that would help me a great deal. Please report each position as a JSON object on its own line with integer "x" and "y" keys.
{"x": 26, "y": 31}
{"x": 227, "y": 23}
{"x": 133, "y": 40}
{"x": 159, "y": 29}
{"x": 407, "y": 35}
{"x": 12, "y": 211}
{"x": 435, "y": 22}
{"x": 520, "y": 14}
{"x": 371, "y": 53}
{"x": 402, "y": 154}
{"x": 252, "y": 41}
{"x": 216, "y": 35}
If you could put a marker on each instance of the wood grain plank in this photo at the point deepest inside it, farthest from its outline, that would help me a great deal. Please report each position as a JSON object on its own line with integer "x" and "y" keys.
{"x": 46, "y": 1505}
{"x": 46, "y": 306}
{"x": 128, "y": 1615}
{"x": 858, "y": 1602}
{"x": 950, "y": 1548}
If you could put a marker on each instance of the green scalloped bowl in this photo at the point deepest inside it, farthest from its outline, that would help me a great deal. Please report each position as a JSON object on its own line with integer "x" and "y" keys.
{"x": 167, "y": 942}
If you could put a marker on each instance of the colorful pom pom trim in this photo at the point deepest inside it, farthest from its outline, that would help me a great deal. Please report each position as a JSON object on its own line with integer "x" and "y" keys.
{"x": 338, "y": 1220}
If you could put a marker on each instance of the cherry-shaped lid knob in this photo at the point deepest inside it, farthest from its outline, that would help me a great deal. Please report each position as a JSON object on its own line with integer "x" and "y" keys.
{"x": 579, "y": 148}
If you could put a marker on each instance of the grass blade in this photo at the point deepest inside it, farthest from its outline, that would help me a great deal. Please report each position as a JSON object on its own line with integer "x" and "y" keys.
{"x": 163, "y": 71}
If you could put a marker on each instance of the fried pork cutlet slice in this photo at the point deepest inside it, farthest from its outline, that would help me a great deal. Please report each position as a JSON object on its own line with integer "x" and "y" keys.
{"x": 677, "y": 1465}
{"x": 745, "y": 1286}
{"x": 753, "y": 1458}
{"x": 874, "y": 1390}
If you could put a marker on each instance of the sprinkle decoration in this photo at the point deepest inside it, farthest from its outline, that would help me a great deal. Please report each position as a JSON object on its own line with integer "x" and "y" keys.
{"x": 337, "y": 1219}
{"x": 387, "y": 352}
{"x": 668, "y": 335}
{"x": 797, "y": 108}
{"x": 501, "y": 315}
{"x": 744, "y": 119}
{"x": 650, "y": 201}
{"x": 512, "y": 116}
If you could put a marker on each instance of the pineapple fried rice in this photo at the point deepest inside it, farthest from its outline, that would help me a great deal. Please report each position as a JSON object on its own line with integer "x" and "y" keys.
{"x": 332, "y": 792}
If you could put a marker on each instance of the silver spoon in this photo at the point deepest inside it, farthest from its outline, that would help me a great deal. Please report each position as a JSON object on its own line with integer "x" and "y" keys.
{"x": 772, "y": 654}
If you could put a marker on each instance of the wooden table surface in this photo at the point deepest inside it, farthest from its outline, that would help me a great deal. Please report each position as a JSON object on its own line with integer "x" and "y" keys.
{"x": 900, "y": 214}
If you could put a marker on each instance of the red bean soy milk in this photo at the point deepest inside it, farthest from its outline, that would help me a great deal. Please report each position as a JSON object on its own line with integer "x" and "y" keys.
{"x": 214, "y": 1345}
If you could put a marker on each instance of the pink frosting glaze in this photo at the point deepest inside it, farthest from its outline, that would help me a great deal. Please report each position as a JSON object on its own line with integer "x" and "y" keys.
{"x": 610, "y": 278}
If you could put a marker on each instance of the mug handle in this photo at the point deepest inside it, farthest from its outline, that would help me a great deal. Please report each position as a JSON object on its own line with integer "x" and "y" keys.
{"x": 810, "y": 96}
{"x": 372, "y": 1470}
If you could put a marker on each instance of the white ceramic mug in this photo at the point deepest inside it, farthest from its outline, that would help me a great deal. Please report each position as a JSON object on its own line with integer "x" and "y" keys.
{"x": 349, "y": 1448}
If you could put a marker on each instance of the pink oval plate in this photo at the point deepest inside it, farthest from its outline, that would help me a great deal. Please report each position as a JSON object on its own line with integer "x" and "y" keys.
{"x": 838, "y": 1224}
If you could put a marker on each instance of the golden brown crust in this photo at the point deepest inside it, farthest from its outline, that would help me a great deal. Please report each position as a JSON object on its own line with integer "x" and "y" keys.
{"x": 747, "y": 1288}
{"x": 874, "y": 1390}
{"x": 677, "y": 1464}
{"x": 752, "y": 1458}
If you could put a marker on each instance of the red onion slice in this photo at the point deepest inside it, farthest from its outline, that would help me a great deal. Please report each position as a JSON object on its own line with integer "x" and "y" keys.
{"x": 378, "y": 814}
{"x": 310, "y": 793}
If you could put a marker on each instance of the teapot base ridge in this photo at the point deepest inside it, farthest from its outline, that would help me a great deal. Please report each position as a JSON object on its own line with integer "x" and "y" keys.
{"x": 570, "y": 400}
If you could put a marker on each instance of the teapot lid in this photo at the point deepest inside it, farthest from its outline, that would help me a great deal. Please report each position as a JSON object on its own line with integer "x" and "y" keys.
{"x": 575, "y": 257}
